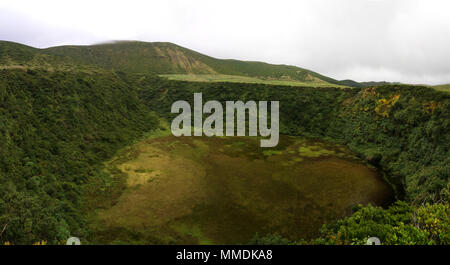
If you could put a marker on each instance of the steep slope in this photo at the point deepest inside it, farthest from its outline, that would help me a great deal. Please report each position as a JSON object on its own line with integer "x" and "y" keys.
{"x": 152, "y": 57}
{"x": 391, "y": 126}
{"x": 137, "y": 57}
{"x": 12, "y": 53}
{"x": 56, "y": 129}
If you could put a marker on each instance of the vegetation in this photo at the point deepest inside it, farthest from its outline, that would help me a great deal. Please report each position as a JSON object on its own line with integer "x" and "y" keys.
{"x": 152, "y": 58}
{"x": 401, "y": 129}
{"x": 391, "y": 126}
{"x": 202, "y": 190}
{"x": 244, "y": 79}
{"x": 56, "y": 129}
{"x": 400, "y": 224}
{"x": 445, "y": 88}
{"x": 67, "y": 110}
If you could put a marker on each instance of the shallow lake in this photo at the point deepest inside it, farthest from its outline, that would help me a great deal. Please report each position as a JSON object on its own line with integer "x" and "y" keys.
{"x": 224, "y": 190}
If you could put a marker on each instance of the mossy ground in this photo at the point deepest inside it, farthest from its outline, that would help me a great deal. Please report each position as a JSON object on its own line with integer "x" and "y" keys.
{"x": 200, "y": 190}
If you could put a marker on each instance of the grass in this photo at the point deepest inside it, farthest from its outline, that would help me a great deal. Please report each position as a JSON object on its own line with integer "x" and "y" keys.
{"x": 445, "y": 88}
{"x": 223, "y": 190}
{"x": 160, "y": 58}
{"x": 246, "y": 79}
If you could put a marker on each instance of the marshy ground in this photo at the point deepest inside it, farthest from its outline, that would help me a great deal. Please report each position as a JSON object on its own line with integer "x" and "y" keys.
{"x": 224, "y": 190}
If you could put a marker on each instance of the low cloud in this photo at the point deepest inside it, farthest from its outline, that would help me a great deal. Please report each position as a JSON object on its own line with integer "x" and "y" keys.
{"x": 398, "y": 40}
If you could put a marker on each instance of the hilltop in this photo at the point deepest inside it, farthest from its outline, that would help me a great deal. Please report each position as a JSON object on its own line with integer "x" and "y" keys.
{"x": 162, "y": 58}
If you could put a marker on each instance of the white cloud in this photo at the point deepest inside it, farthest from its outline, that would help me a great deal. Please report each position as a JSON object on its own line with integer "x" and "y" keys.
{"x": 398, "y": 40}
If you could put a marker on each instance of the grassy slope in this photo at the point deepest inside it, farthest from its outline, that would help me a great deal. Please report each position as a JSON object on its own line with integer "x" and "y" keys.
{"x": 14, "y": 52}
{"x": 445, "y": 88}
{"x": 77, "y": 120}
{"x": 247, "y": 79}
{"x": 56, "y": 128}
{"x": 156, "y": 58}
{"x": 405, "y": 121}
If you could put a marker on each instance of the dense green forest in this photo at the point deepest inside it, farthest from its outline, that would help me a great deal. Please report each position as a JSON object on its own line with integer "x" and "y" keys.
{"x": 403, "y": 130}
{"x": 392, "y": 127}
{"x": 58, "y": 127}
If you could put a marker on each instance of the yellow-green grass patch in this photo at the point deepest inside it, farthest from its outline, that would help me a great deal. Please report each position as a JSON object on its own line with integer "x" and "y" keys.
{"x": 247, "y": 79}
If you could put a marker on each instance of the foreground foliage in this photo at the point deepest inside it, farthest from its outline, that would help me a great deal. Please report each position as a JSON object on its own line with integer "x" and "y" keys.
{"x": 400, "y": 224}
{"x": 56, "y": 129}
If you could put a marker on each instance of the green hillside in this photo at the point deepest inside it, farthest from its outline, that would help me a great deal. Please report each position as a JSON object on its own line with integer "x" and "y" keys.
{"x": 389, "y": 125}
{"x": 59, "y": 128}
{"x": 247, "y": 79}
{"x": 15, "y": 53}
{"x": 67, "y": 113}
{"x": 155, "y": 58}
{"x": 401, "y": 129}
{"x": 445, "y": 88}
{"x": 56, "y": 129}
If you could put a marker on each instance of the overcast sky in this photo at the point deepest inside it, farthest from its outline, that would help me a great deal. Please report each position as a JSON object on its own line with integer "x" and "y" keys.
{"x": 404, "y": 40}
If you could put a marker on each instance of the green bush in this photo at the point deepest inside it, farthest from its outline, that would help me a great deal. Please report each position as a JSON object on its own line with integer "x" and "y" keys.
{"x": 400, "y": 224}
{"x": 56, "y": 129}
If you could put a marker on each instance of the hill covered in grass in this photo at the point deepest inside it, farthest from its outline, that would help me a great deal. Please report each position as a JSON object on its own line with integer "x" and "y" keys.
{"x": 154, "y": 58}
{"x": 59, "y": 127}
{"x": 445, "y": 88}
{"x": 65, "y": 111}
